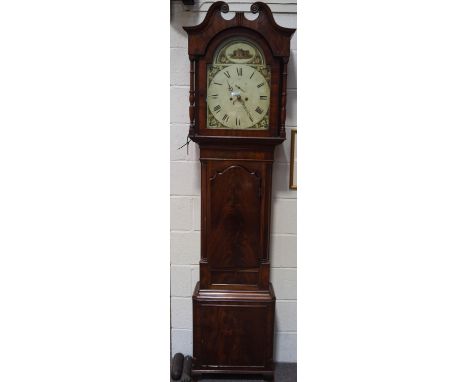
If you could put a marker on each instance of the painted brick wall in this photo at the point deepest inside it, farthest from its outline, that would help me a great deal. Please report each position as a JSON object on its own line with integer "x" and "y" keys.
{"x": 185, "y": 195}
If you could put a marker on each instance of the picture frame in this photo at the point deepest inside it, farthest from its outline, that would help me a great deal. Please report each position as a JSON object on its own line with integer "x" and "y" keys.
{"x": 293, "y": 161}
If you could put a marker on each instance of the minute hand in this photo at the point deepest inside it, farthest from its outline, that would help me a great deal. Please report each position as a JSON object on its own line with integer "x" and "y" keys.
{"x": 245, "y": 108}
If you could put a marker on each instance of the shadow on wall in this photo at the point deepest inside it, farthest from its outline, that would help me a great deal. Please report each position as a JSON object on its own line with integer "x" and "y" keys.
{"x": 184, "y": 18}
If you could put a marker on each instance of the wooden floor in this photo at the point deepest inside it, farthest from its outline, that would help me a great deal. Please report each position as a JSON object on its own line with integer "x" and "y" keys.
{"x": 284, "y": 372}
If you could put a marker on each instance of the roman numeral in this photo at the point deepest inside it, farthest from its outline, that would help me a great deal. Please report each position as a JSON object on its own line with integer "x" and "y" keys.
{"x": 237, "y": 121}
{"x": 226, "y": 73}
{"x": 252, "y": 74}
{"x": 260, "y": 85}
{"x": 226, "y": 118}
{"x": 216, "y": 96}
{"x": 217, "y": 108}
{"x": 259, "y": 110}
{"x": 239, "y": 71}
{"x": 217, "y": 83}
{"x": 263, "y": 97}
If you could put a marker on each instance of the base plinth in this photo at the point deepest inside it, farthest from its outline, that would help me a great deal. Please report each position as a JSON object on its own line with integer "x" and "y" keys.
{"x": 233, "y": 332}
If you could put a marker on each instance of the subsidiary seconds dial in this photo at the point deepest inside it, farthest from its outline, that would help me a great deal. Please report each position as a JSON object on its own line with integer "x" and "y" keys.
{"x": 239, "y": 97}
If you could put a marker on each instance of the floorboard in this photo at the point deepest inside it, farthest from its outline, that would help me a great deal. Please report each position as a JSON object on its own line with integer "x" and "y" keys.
{"x": 284, "y": 372}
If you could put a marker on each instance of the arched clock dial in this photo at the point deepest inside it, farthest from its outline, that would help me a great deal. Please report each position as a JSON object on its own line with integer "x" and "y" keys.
{"x": 239, "y": 97}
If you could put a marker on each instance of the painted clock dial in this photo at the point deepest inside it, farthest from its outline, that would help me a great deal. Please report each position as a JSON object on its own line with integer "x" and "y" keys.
{"x": 238, "y": 89}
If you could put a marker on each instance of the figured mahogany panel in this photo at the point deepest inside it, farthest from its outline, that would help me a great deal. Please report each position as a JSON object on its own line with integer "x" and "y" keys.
{"x": 235, "y": 218}
{"x": 232, "y": 332}
{"x": 235, "y": 214}
{"x": 235, "y": 276}
{"x": 242, "y": 344}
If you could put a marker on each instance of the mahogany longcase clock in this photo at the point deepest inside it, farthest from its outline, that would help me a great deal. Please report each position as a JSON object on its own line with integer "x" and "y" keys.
{"x": 238, "y": 73}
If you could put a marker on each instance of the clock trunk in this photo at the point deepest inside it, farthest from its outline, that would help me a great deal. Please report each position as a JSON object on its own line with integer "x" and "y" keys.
{"x": 235, "y": 216}
{"x": 234, "y": 302}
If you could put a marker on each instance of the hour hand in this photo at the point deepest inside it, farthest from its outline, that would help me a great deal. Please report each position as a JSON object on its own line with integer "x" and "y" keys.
{"x": 238, "y": 87}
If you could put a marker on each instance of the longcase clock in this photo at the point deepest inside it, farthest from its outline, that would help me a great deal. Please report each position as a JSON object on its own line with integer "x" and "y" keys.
{"x": 237, "y": 108}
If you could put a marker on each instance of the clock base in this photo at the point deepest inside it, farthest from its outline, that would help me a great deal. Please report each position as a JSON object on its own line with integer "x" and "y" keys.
{"x": 233, "y": 332}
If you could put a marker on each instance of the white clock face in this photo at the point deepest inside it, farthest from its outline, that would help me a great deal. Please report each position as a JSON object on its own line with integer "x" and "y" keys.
{"x": 238, "y": 97}
{"x": 238, "y": 87}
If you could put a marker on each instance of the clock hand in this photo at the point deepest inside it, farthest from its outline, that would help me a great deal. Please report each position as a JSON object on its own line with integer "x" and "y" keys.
{"x": 229, "y": 86}
{"x": 238, "y": 87}
{"x": 245, "y": 107}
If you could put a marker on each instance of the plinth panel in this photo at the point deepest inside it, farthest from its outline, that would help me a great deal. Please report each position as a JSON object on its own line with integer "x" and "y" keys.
{"x": 232, "y": 335}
